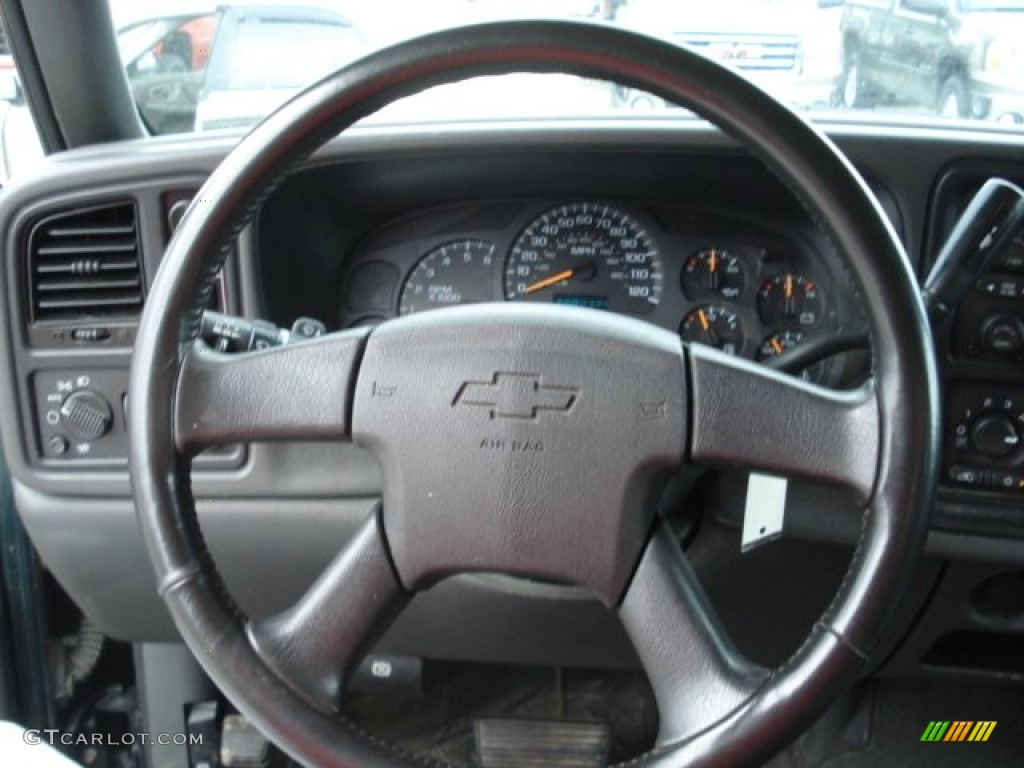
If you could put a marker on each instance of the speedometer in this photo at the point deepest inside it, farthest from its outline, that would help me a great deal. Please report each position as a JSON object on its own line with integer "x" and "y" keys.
{"x": 586, "y": 254}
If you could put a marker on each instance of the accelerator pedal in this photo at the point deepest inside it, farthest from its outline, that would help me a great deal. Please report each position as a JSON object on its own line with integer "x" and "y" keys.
{"x": 541, "y": 744}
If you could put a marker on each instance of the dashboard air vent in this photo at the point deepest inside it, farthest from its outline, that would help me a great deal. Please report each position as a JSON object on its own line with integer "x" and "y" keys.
{"x": 85, "y": 262}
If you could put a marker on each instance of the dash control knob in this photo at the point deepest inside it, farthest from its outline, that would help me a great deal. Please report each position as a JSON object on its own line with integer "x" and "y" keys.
{"x": 1003, "y": 334}
{"x": 86, "y": 415}
{"x": 994, "y": 435}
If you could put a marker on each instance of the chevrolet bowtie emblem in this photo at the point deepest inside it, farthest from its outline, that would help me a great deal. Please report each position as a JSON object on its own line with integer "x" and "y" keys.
{"x": 515, "y": 396}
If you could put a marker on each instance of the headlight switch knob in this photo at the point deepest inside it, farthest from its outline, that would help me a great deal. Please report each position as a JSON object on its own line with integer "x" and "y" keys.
{"x": 86, "y": 415}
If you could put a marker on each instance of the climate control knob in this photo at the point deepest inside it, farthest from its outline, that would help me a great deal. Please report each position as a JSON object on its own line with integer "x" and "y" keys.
{"x": 86, "y": 415}
{"x": 994, "y": 435}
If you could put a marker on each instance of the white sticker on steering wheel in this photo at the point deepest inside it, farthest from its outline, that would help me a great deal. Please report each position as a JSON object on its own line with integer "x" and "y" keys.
{"x": 765, "y": 510}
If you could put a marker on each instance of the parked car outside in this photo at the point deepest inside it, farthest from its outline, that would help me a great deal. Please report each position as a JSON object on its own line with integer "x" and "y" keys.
{"x": 961, "y": 58}
{"x": 264, "y": 54}
{"x": 181, "y": 82}
{"x": 788, "y": 47}
{"x": 165, "y": 58}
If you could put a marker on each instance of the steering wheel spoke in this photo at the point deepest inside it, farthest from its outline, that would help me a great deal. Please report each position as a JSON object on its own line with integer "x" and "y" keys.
{"x": 745, "y": 415}
{"x": 298, "y": 391}
{"x": 316, "y": 644}
{"x": 699, "y": 677}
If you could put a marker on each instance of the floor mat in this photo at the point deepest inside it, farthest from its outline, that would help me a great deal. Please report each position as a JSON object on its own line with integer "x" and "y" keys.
{"x": 879, "y": 724}
{"x": 899, "y": 712}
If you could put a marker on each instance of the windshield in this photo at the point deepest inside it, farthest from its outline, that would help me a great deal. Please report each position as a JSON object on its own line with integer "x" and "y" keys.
{"x": 993, "y": 5}
{"x": 200, "y": 66}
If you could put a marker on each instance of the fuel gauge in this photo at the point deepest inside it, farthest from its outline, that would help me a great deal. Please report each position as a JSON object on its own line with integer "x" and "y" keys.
{"x": 715, "y": 326}
{"x": 713, "y": 272}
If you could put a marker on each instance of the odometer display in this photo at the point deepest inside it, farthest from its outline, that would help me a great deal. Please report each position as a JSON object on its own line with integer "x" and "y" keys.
{"x": 596, "y": 254}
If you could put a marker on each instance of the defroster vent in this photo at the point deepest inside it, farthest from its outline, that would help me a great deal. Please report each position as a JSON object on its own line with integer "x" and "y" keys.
{"x": 85, "y": 262}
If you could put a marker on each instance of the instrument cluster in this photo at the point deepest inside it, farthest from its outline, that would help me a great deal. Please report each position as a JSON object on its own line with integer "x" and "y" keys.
{"x": 714, "y": 278}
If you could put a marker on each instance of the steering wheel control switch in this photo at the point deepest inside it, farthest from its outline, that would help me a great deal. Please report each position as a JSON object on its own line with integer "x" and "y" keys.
{"x": 985, "y": 231}
{"x": 226, "y": 333}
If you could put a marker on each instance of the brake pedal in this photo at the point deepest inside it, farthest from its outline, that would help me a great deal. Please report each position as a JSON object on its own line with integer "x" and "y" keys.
{"x": 518, "y": 743}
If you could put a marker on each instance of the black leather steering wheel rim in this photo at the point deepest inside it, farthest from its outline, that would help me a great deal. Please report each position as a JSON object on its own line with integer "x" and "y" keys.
{"x": 903, "y": 401}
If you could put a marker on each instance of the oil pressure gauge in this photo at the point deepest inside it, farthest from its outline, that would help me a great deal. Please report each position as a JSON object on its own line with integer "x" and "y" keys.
{"x": 713, "y": 272}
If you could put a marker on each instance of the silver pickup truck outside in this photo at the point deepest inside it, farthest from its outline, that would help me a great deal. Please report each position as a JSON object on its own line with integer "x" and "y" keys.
{"x": 960, "y": 58}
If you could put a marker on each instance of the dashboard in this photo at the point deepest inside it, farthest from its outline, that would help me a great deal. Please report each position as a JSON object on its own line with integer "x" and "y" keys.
{"x": 669, "y": 222}
{"x": 713, "y": 277}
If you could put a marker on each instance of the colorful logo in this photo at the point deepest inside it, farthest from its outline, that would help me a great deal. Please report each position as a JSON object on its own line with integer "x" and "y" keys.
{"x": 958, "y": 730}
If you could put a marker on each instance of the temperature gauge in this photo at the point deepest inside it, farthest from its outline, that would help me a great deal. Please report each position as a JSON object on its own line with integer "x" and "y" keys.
{"x": 713, "y": 272}
{"x": 715, "y": 326}
{"x": 790, "y": 299}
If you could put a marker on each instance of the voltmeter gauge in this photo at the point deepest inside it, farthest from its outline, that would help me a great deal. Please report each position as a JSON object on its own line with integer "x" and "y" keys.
{"x": 715, "y": 326}
{"x": 713, "y": 272}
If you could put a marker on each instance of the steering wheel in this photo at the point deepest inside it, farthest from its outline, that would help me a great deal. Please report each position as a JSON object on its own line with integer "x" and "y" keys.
{"x": 564, "y": 423}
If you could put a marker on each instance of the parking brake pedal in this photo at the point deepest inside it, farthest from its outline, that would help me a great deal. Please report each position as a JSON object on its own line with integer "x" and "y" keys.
{"x": 516, "y": 743}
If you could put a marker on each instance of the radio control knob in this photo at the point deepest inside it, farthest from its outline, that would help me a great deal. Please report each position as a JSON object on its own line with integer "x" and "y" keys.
{"x": 994, "y": 435}
{"x": 86, "y": 415}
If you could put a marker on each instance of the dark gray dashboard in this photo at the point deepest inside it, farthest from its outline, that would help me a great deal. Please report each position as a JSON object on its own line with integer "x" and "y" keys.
{"x": 339, "y": 239}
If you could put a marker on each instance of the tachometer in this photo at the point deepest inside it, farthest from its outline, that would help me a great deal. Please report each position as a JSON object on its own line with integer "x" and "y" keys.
{"x": 461, "y": 272}
{"x": 586, "y": 254}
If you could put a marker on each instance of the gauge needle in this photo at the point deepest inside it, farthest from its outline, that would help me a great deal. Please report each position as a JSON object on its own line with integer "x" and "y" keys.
{"x": 557, "y": 278}
{"x": 713, "y": 270}
{"x": 703, "y": 320}
{"x": 789, "y": 286}
{"x": 777, "y": 346}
